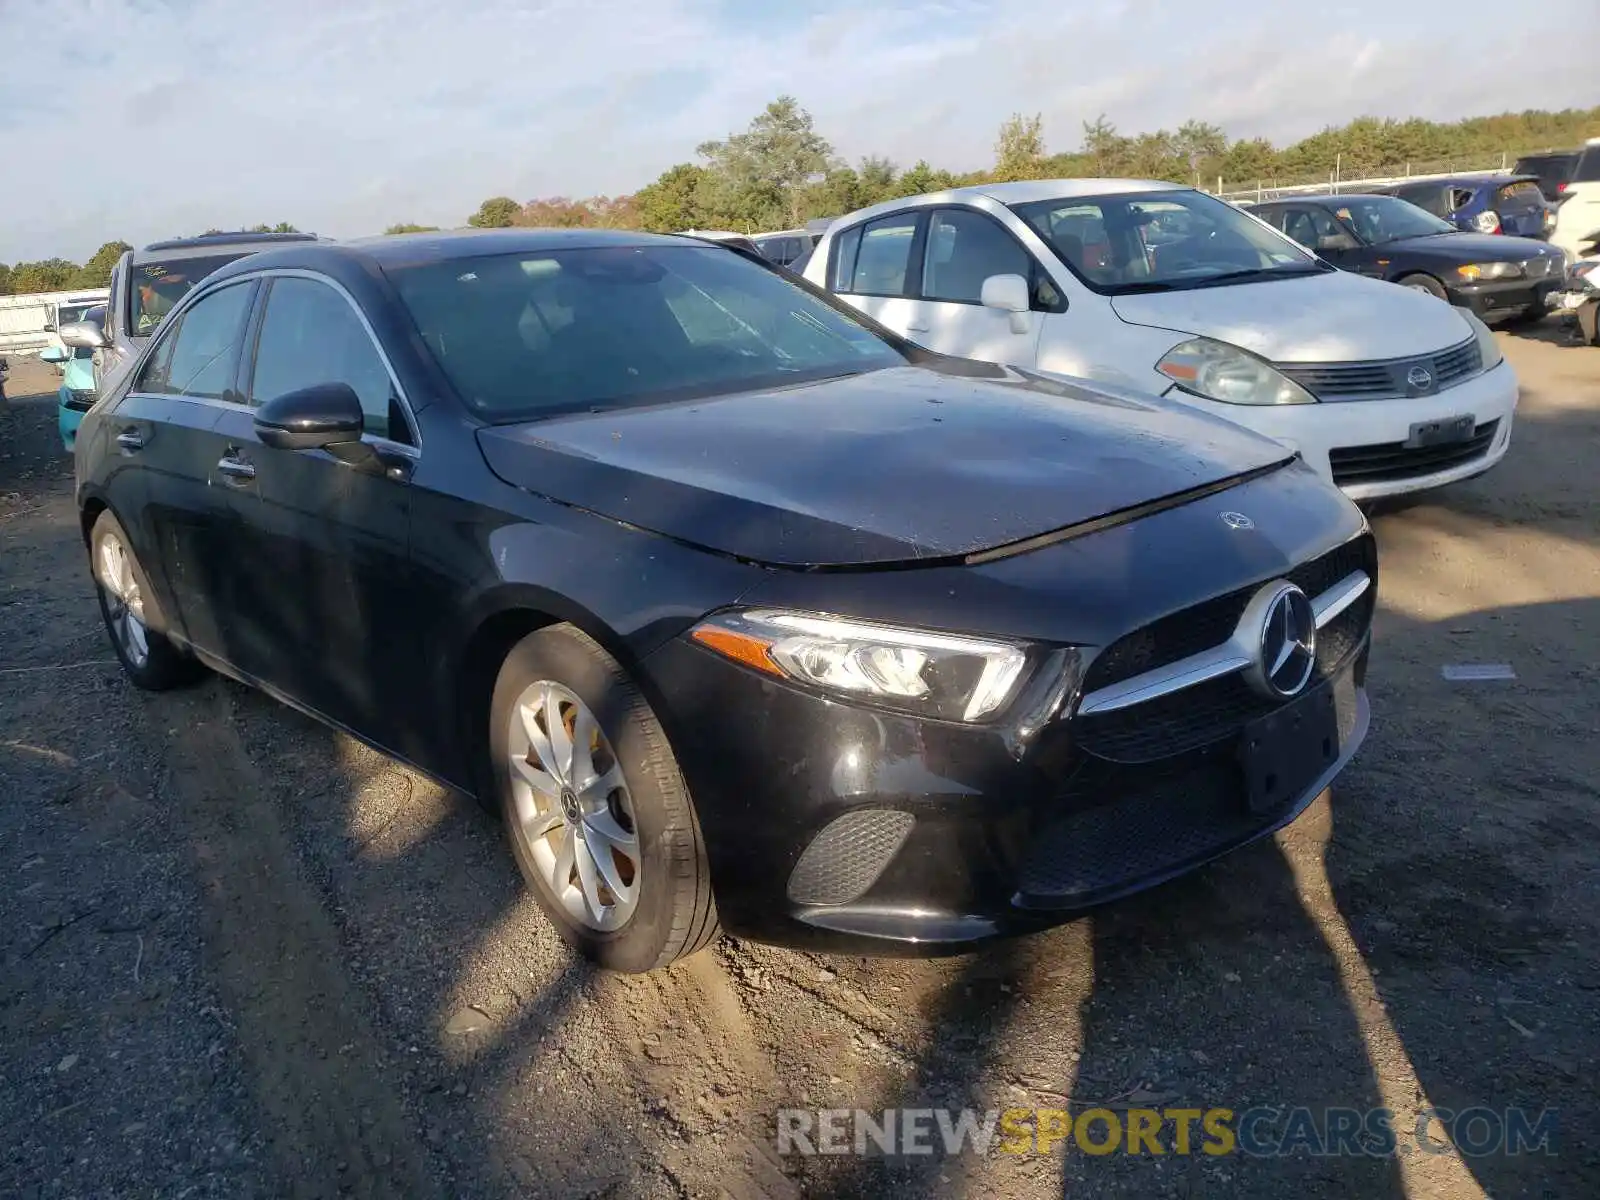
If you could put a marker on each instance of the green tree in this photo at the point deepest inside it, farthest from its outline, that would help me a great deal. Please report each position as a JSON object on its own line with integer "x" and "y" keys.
{"x": 763, "y": 172}
{"x": 1019, "y": 150}
{"x": 921, "y": 179}
{"x": 50, "y": 275}
{"x": 497, "y": 212}
{"x": 407, "y": 227}
{"x": 674, "y": 201}
{"x": 96, "y": 273}
{"x": 280, "y": 227}
{"x": 5, "y": 280}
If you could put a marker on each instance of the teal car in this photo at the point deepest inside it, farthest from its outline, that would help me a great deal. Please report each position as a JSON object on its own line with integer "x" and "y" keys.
{"x": 77, "y": 390}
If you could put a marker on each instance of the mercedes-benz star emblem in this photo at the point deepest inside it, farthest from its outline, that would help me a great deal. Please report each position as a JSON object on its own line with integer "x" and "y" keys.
{"x": 1288, "y": 643}
{"x": 1237, "y": 520}
{"x": 1419, "y": 379}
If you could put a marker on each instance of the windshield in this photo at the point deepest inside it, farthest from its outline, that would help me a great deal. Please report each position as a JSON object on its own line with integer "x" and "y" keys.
{"x": 527, "y": 335}
{"x": 158, "y": 286}
{"x": 1162, "y": 241}
{"x": 1380, "y": 219}
{"x": 71, "y": 314}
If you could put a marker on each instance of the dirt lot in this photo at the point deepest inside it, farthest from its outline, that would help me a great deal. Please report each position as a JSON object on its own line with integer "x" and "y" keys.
{"x": 244, "y": 956}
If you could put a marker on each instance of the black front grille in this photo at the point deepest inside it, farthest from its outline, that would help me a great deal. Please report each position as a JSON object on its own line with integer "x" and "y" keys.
{"x": 1386, "y": 378}
{"x": 1389, "y": 461}
{"x": 1126, "y": 825}
{"x": 1210, "y": 622}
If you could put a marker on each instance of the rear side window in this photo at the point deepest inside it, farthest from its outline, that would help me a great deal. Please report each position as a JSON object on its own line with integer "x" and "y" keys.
{"x": 875, "y": 259}
{"x": 200, "y": 357}
{"x": 1460, "y": 198}
{"x": 1428, "y": 196}
{"x": 1588, "y": 168}
{"x": 311, "y": 335}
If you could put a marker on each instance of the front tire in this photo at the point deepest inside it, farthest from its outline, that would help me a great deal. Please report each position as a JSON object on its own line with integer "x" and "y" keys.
{"x": 132, "y": 619}
{"x": 600, "y": 820}
{"x": 1424, "y": 283}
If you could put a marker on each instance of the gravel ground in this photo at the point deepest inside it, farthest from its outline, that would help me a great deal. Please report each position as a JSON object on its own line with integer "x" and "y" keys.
{"x": 246, "y": 956}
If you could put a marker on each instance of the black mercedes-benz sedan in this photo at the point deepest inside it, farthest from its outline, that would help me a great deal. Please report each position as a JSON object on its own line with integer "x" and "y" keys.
{"x": 744, "y": 612}
{"x": 1497, "y": 277}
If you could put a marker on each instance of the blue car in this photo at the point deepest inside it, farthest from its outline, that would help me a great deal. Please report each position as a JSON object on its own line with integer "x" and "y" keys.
{"x": 77, "y": 390}
{"x": 1509, "y": 204}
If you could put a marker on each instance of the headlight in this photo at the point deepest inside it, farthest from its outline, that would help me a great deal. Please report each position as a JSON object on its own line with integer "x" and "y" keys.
{"x": 936, "y": 674}
{"x": 1222, "y": 372}
{"x": 1487, "y": 346}
{"x": 1473, "y": 272}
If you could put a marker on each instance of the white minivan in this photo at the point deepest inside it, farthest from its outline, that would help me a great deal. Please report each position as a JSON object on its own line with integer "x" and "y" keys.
{"x": 1162, "y": 288}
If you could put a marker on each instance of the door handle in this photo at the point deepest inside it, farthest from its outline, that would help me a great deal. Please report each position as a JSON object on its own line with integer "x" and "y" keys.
{"x": 130, "y": 439}
{"x": 235, "y": 469}
{"x": 916, "y": 329}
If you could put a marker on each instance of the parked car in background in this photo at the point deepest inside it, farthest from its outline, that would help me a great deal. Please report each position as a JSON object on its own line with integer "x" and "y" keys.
{"x": 785, "y": 246}
{"x": 1217, "y": 311}
{"x": 77, "y": 391}
{"x": 1579, "y": 297}
{"x": 1508, "y": 204}
{"x": 147, "y": 283}
{"x": 69, "y": 310}
{"x": 1579, "y": 213}
{"x": 726, "y": 238}
{"x": 742, "y": 610}
{"x": 1386, "y": 237}
{"x": 1553, "y": 169}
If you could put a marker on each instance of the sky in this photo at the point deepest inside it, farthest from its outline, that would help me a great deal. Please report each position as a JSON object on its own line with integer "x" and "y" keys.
{"x": 143, "y": 119}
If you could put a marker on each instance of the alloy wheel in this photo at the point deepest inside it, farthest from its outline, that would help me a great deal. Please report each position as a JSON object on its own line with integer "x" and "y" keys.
{"x": 124, "y": 600}
{"x": 572, "y": 805}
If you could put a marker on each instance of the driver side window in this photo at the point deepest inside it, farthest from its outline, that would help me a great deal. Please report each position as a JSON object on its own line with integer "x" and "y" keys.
{"x": 311, "y": 335}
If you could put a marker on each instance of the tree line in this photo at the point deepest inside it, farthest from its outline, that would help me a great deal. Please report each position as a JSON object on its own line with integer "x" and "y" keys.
{"x": 780, "y": 172}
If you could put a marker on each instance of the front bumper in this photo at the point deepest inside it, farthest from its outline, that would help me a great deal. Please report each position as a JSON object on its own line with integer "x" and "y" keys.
{"x": 1501, "y": 299}
{"x": 838, "y": 827}
{"x": 1361, "y": 444}
{"x": 69, "y": 415}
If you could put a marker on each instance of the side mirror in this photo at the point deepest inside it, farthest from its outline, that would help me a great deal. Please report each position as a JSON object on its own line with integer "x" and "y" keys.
{"x": 312, "y": 418}
{"x": 53, "y": 354}
{"x": 1009, "y": 294}
{"x": 88, "y": 334}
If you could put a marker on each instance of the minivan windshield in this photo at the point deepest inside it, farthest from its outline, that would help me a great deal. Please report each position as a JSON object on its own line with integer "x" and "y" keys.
{"x": 1162, "y": 241}
{"x": 158, "y": 285}
{"x": 541, "y": 332}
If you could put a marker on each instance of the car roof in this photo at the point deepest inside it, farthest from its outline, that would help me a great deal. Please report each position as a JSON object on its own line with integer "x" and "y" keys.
{"x": 211, "y": 243}
{"x": 1024, "y": 191}
{"x": 394, "y": 251}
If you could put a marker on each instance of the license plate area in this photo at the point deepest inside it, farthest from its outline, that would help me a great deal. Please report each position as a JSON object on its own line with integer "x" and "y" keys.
{"x": 1284, "y": 753}
{"x": 1441, "y": 432}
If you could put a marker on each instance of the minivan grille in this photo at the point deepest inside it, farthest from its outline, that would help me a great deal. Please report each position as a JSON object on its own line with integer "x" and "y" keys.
{"x": 1386, "y": 379}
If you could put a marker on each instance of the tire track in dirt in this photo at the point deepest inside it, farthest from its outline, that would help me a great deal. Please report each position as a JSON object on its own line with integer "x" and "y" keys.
{"x": 318, "y": 1072}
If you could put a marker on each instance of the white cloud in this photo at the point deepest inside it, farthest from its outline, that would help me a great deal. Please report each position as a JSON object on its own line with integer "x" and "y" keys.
{"x": 140, "y": 119}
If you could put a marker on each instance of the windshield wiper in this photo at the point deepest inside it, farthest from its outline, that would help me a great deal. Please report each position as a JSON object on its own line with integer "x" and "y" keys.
{"x": 1259, "y": 273}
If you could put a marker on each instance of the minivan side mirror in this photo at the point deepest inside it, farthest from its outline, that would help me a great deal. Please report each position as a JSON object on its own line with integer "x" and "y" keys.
{"x": 1009, "y": 294}
{"x": 312, "y": 418}
{"x": 91, "y": 335}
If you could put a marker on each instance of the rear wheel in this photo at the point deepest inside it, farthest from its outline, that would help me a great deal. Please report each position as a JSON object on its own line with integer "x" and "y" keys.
{"x": 1424, "y": 283}
{"x": 130, "y": 612}
{"x": 599, "y": 817}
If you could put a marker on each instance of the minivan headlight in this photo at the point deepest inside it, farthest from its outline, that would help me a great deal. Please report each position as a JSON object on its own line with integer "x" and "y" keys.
{"x": 1226, "y": 373}
{"x": 1488, "y": 347}
{"x": 941, "y": 675}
